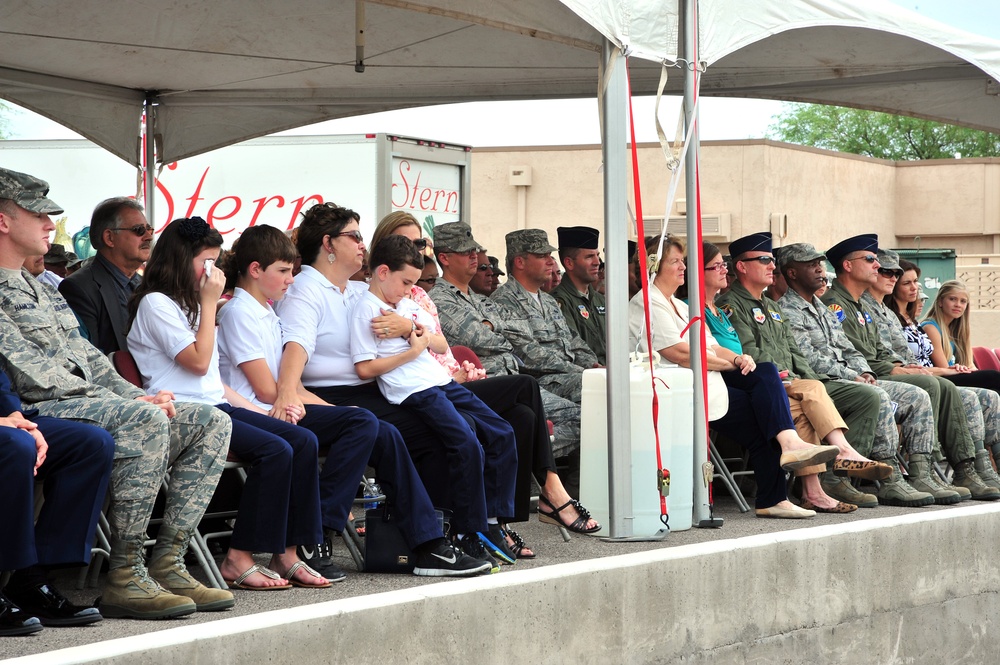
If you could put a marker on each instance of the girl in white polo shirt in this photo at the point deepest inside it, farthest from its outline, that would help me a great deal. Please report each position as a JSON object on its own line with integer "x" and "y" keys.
{"x": 172, "y": 338}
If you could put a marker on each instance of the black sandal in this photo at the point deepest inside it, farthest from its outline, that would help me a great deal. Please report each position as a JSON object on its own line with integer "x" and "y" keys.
{"x": 579, "y": 525}
{"x": 517, "y": 545}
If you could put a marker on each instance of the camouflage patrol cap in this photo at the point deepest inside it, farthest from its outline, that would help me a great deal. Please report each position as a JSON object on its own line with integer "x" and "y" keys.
{"x": 27, "y": 191}
{"x": 495, "y": 265}
{"x": 888, "y": 259}
{"x": 455, "y": 237}
{"x": 528, "y": 241}
{"x": 799, "y": 252}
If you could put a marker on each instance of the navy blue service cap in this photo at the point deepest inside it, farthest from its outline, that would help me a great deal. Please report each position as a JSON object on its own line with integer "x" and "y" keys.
{"x": 577, "y": 237}
{"x": 755, "y": 242}
{"x": 866, "y": 242}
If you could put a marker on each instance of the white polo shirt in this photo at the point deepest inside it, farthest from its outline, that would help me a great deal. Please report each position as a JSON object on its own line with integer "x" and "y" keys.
{"x": 247, "y": 331}
{"x": 316, "y": 314}
{"x": 159, "y": 333}
{"x": 421, "y": 373}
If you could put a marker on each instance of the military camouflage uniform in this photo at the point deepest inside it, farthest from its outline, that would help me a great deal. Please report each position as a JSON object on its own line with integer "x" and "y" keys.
{"x": 584, "y": 314}
{"x": 827, "y": 350}
{"x": 949, "y": 414}
{"x": 765, "y": 336}
{"x": 981, "y": 404}
{"x": 462, "y": 317}
{"x": 62, "y": 375}
{"x": 551, "y": 352}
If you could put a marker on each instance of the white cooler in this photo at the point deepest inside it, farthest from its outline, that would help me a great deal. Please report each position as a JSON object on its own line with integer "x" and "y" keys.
{"x": 676, "y": 447}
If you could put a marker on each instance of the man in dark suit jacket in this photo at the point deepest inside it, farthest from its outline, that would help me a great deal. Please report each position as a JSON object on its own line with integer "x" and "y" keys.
{"x": 99, "y": 292}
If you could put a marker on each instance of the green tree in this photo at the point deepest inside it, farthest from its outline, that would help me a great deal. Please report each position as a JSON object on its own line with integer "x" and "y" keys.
{"x": 879, "y": 135}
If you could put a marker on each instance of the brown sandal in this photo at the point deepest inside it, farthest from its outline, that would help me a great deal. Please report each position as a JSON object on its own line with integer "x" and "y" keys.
{"x": 841, "y": 507}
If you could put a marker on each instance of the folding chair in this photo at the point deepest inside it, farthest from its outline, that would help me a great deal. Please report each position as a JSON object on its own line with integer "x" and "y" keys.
{"x": 985, "y": 358}
{"x": 727, "y": 477}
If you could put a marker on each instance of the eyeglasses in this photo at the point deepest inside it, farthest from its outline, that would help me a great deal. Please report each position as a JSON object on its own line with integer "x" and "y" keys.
{"x": 889, "y": 272}
{"x": 355, "y": 235}
{"x": 720, "y": 267}
{"x": 868, "y": 258}
{"x": 420, "y": 243}
{"x": 139, "y": 229}
{"x": 483, "y": 267}
{"x": 766, "y": 260}
{"x": 430, "y": 280}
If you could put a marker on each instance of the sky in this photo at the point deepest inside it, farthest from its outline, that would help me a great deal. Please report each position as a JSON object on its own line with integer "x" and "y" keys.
{"x": 567, "y": 122}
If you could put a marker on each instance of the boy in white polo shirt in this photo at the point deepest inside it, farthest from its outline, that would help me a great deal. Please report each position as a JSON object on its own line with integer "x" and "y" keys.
{"x": 408, "y": 376}
{"x": 249, "y": 359}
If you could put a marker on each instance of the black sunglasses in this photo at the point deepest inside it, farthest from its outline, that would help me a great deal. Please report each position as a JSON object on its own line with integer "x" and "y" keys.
{"x": 868, "y": 258}
{"x": 483, "y": 267}
{"x": 766, "y": 260}
{"x": 889, "y": 272}
{"x": 139, "y": 229}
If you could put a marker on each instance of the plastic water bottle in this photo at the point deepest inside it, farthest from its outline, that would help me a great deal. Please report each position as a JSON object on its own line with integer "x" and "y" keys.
{"x": 371, "y": 489}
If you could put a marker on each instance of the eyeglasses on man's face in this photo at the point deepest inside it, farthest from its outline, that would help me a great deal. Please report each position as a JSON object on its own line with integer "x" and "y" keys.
{"x": 867, "y": 258}
{"x": 139, "y": 229}
{"x": 763, "y": 260}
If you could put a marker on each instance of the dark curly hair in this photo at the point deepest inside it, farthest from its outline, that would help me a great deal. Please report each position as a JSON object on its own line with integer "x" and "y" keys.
{"x": 320, "y": 221}
{"x": 168, "y": 270}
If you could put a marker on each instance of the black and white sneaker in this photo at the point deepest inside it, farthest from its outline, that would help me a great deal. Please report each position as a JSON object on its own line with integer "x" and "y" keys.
{"x": 319, "y": 557}
{"x": 472, "y": 546}
{"x": 446, "y": 560}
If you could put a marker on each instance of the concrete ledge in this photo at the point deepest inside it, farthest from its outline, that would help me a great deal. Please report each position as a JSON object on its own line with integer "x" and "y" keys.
{"x": 918, "y": 588}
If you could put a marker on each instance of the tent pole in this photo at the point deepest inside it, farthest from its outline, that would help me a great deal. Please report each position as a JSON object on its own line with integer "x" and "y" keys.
{"x": 702, "y": 510}
{"x": 149, "y": 162}
{"x": 614, "y": 141}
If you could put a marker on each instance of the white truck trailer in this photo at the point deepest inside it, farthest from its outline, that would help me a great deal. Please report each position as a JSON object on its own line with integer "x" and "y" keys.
{"x": 263, "y": 181}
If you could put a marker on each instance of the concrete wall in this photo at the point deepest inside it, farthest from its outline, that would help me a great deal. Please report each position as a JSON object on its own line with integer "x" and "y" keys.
{"x": 922, "y": 588}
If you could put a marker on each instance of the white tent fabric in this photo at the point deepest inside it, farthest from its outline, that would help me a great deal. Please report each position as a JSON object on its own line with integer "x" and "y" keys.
{"x": 230, "y": 70}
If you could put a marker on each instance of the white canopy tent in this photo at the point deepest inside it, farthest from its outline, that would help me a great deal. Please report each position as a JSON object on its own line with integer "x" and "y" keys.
{"x": 212, "y": 74}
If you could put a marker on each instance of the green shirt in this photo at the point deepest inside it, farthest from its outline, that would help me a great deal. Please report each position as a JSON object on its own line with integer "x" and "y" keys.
{"x": 860, "y": 327}
{"x": 584, "y": 315}
{"x": 764, "y": 333}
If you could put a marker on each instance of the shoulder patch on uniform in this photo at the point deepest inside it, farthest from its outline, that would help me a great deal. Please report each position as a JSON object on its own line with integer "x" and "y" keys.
{"x": 775, "y": 315}
{"x": 583, "y": 311}
{"x": 758, "y": 315}
{"x": 727, "y": 308}
{"x": 837, "y": 311}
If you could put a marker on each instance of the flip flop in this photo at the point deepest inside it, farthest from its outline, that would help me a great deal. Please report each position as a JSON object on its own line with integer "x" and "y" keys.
{"x": 302, "y": 565}
{"x": 238, "y": 583}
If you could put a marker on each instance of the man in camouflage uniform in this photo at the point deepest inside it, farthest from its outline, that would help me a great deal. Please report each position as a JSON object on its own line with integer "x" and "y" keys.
{"x": 856, "y": 265}
{"x": 62, "y": 375}
{"x": 469, "y": 319}
{"x": 582, "y": 306}
{"x": 982, "y": 406}
{"x": 551, "y": 352}
{"x": 822, "y": 341}
{"x": 764, "y": 335}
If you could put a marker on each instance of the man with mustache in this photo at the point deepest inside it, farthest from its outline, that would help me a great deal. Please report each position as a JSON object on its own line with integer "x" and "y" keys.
{"x": 99, "y": 292}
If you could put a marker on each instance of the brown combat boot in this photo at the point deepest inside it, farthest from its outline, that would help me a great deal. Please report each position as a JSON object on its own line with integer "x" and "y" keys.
{"x": 167, "y": 567}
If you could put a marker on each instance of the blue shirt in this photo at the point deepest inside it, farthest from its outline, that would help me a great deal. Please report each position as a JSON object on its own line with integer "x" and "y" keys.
{"x": 725, "y": 333}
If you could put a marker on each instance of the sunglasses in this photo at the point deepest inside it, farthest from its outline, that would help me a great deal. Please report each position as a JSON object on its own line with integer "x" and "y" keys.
{"x": 766, "y": 260}
{"x": 139, "y": 229}
{"x": 430, "y": 280}
{"x": 355, "y": 235}
{"x": 869, "y": 258}
{"x": 483, "y": 267}
{"x": 889, "y": 272}
{"x": 420, "y": 243}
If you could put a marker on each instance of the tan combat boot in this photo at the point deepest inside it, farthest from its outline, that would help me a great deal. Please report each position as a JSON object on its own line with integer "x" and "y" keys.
{"x": 167, "y": 567}
{"x": 985, "y": 470}
{"x": 922, "y": 478}
{"x": 966, "y": 476}
{"x": 130, "y": 593}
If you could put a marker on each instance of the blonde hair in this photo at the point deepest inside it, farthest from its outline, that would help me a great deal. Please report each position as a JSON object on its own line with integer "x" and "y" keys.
{"x": 652, "y": 243}
{"x": 958, "y": 332}
{"x": 394, "y": 220}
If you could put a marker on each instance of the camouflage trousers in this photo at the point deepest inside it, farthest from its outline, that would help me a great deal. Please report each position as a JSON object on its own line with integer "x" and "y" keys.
{"x": 949, "y": 415}
{"x": 913, "y": 414}
{"x": 982, "y": 407}
{"x": 192, "y": 445}
{"x": 565, "y": 417}
{"x": 567, "y": 386}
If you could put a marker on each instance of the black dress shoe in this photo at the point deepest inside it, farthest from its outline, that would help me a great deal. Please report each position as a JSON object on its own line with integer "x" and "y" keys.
{"x": 15, "y": 622}
{"x": 46, "y": 603}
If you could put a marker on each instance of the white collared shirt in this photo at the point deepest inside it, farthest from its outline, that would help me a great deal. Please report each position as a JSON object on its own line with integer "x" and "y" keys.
{"x": 159, "y": 333}
{"x": 316, "y": 315}
{"x": 247, "y": 331}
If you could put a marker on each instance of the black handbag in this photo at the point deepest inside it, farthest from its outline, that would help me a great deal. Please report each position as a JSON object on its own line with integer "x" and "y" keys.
{"x": 386, "y": 550}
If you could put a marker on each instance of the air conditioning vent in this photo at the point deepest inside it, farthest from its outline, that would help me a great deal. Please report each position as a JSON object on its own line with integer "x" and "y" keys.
{"x": 714, "y": 226}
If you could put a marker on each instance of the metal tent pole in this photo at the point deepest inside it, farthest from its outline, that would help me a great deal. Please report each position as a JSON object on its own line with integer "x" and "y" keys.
{"x": 149, "y": 162}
